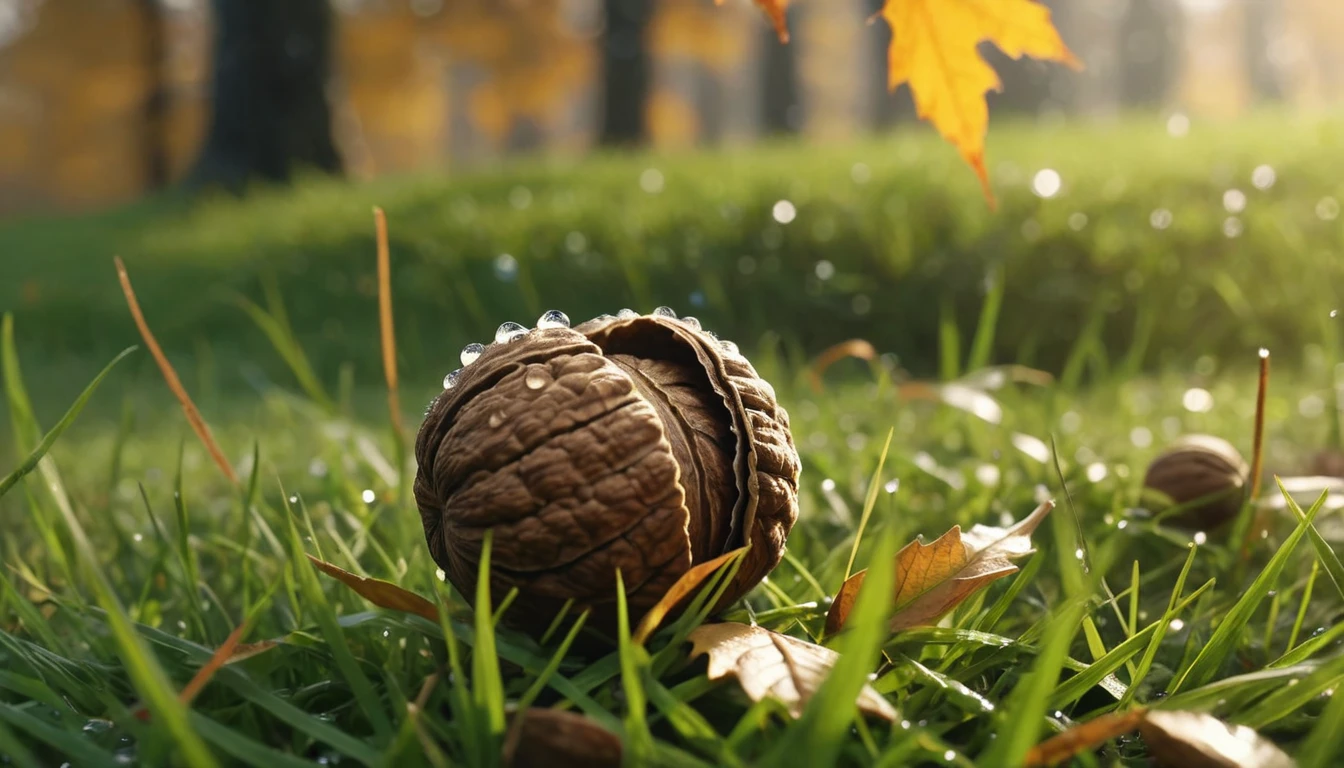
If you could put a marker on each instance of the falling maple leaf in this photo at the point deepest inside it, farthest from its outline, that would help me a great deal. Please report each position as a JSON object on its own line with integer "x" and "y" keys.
{"x": 932, "y": 579}
{"x": 933, "y": 49}
{"x": 769, "y": 664}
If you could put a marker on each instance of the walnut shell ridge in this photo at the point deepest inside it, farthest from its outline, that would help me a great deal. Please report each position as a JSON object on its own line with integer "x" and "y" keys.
{"x": 639, "y": 442}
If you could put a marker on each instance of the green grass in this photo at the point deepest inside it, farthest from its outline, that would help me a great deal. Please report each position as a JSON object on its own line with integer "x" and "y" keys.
{"x": 128, "y": 558}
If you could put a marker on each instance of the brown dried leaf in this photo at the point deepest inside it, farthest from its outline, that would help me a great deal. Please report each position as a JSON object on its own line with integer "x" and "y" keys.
{"x": 558, "y": 738}
{"x": 768, "y": 664}
{"x": 383, "y": 594}
{"x": 932, "y": 579}
{"x": 680, "y": 591}
{"x": 1083, "y": 737}
{"x": 1199, "y": 740}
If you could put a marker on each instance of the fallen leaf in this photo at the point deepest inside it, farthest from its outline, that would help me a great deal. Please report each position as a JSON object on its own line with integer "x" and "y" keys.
{"x": 679, "y": 592}
{"x": 768, "y": 664}
{"x": 558, "y": 738}
{"x": 857, "y": 348}
{"x": 383, "y": 594}
{"x": 1199, "y": 740}
{"x": 1083, "y": 737}
{"x": 933, "y": 48}
{"x": 932, "y": 579}
{"x": 775, "y": 10}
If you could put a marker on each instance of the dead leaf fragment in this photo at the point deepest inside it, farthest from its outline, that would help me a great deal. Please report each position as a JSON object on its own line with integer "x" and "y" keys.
{"x": 1083, "y": 737}
{"x": 932, "y": 579}
{"x": 769, "y": 664}
{"x": 559, "y": 739}
{"x": 383, "y": 594}
{"x": 679, "y": 592}
{"x": 933, "y": 49}
{"x": 1199, "y": 740}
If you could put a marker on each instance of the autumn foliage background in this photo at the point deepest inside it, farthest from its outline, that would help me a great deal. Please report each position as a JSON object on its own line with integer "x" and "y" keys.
{"x": 457, "y": 85}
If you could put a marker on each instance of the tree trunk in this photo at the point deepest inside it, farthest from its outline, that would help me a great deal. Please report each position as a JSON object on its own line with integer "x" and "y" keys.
{"x": 154, "y": 131}
{"x": 270, "y": 116}
{"x": 1150, "y": 52}
{"x": 889, "y": 108}
{"x": 1263, "y": 23}
{"x": 781, "y": 112}
{"x": 626, "y": 71}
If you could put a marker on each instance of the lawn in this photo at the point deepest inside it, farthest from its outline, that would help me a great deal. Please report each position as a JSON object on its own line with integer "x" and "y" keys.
{"x": 129, "y": 558}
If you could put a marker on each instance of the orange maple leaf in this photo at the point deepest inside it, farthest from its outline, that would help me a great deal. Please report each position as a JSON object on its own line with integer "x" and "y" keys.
{"x": 776, "y": 10}
{"x": 933, "y": 48}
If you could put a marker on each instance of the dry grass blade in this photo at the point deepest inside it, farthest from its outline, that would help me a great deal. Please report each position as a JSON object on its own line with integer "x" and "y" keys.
{"x": 1199, "y": 740}
{"x": 198, "y": 424}
{"x": 768, "y": 664}
{"x": 680, "y": 591}
{"x": 1083, "y": 737}
{"x": 1258, "y": 446}
{"x": 388, "y": 332}
{"x": 230, "y": 651}
{"x": 558, "y": 738}
{"x": 383, "y": 594}
{"x": 857, "y": 348}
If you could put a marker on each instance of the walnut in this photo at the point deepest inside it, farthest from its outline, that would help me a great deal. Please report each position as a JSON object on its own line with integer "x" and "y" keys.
{"x": 638, "y": 442}
{"x": 1203, "y": 474}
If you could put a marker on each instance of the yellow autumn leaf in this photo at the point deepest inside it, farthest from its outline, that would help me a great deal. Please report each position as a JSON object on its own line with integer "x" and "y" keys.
{"x": 768, "y": 664}
{"x": 681, "y": 593}
{"x": 933, "y": 48}
{"x": 932, "y": 579}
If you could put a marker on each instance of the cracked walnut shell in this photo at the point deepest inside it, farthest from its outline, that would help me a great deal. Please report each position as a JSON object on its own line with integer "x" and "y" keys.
{"x": 639, "y": 442}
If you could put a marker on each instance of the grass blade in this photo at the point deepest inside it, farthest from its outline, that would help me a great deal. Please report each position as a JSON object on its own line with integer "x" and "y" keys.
{"x": 1232, "y": 627}
{"x": 48, "y": 440}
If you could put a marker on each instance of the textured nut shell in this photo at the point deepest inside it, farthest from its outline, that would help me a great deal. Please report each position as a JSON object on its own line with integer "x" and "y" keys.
{"x": 635, "y": 444}
{"x": 1203, "y": 469}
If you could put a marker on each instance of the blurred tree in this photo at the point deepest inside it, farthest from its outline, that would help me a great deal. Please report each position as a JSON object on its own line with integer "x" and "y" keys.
{"x": 1264, "y": 24}
{"x": 1030, "y": 86}
{"x": 626, "y": 71}
{"x": 781, "y": 112}
{"x": 154, "y": 139}
{"x": 1151, "y": 34}
{"x": 270, "y": 113}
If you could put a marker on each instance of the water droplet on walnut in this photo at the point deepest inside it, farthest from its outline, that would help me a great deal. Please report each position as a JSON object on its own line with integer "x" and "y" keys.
{"x": 553, "y": 319}
{"x": 471, "y": 352}
{"x": 508, "y": 332}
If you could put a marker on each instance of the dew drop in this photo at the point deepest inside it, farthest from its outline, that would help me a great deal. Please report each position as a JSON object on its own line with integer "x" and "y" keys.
{"x": 728, "y": 346}
{"x": 553, "y": 318}
{"x": 1176, "y": 625}
{"x": 440, "y": 574}
{"x": 627, "y": 314}
{"x": 139, "y": 537}
{"x": 535, "y": 379}
{"x": 368, "y": 496}
{"x": 892, "y": 486}
{"x": 450, "y": 380}
{"x": 471, "y": 352}
{"x": 495, "y": 419}
{"x": 1201, "y": 537}
{"x": 949, "y": 755}
{"x": 1334, "y": 313}
{"x": 508, "y": 332}
{"x": 693, "y": 322}
{"x": 604, "y": 318}
{"x": 665, "y": 312}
